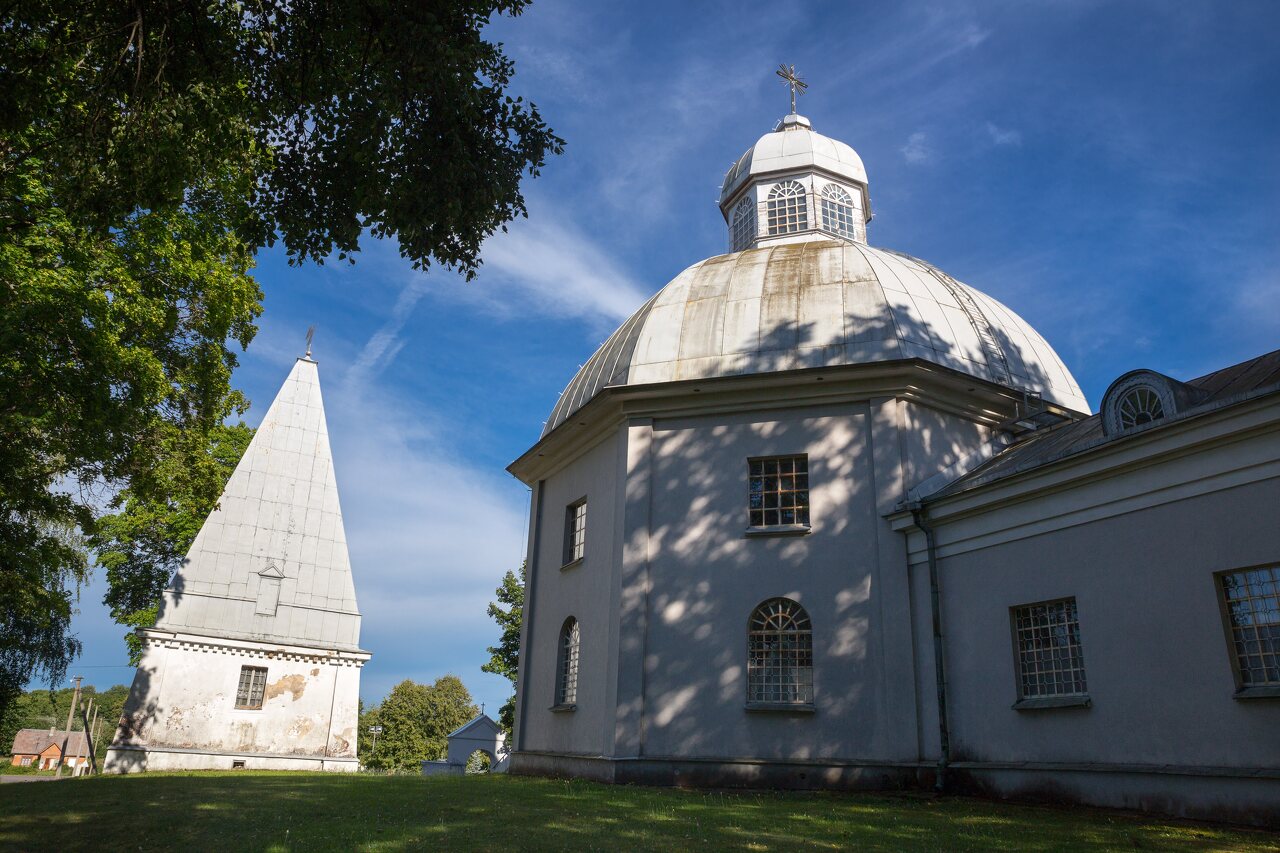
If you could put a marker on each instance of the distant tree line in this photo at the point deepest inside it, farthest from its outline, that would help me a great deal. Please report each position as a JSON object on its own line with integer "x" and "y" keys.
{"x": 47, "y": 709}
{"x": 415, "y": 720}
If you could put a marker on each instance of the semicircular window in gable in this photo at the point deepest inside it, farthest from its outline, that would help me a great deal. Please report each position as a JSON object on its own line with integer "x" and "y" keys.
{"x": 1138, "y": 406}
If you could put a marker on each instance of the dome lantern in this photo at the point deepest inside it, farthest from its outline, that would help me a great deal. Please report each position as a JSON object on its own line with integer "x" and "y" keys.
{"x": 795, "y": 185}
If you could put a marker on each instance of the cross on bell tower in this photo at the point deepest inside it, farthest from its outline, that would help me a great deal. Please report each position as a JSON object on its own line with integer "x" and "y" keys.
{"x": 793, "y": 82}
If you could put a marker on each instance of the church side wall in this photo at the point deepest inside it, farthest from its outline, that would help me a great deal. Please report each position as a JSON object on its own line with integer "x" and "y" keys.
{"x": 183, "y": 704}
{"x": 707, "y": 576}
{"x": 1138, "y": 548}
{"x": 584, "y": 591}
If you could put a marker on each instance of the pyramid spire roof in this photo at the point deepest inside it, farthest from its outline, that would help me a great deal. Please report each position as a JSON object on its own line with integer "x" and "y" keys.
{"x": 270, "y": 563}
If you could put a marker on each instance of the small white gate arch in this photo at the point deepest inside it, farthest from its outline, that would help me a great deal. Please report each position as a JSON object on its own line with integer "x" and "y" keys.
{"x": 482, "y": 734}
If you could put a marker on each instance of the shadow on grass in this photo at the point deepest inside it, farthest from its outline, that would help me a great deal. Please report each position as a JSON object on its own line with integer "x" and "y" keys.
{"x": 295, "y": 811}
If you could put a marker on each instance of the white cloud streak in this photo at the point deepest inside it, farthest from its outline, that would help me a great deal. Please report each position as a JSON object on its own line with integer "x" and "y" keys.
{"x": 917, "y": 150}
{"x": 430, "y": 536}
{"x": 1003, "y": 136}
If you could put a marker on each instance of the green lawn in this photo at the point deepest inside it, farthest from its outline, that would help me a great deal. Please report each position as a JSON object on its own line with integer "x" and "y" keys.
{"x": 306, "y": 811}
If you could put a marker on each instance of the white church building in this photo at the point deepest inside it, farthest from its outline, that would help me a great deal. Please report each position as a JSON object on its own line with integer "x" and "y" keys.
{"x": 255, "y": 658}
{"x": 820, "y": 515}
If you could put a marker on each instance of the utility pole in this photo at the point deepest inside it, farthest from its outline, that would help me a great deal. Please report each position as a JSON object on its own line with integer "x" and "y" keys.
{"x": 97, "y": 732}
{"x": 84, "y": 722}
{"x": 91, "y": 733}
{"x": 62, "y": 759}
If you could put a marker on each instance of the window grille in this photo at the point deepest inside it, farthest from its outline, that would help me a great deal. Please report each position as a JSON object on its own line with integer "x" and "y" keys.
{"x": 567, "y": 668}
{"x": 780, "y": 654}
{"x": 778, "y": 491}
{"x": 1140, "y": 406}
{"x": 1252, "y": 599}
{"x": 26, "y": 762}
{"x": 837, "y": 211}
{"x": 253, "y": 683}
{"x": 1050, "y": 657}
{"x": 743, "y": 229}
{"x": 786, "y": 209}
{"x": 575, "y": 531}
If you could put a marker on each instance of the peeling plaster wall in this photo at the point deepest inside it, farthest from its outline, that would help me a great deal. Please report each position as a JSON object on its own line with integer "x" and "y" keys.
{"x": 184, "y": 697}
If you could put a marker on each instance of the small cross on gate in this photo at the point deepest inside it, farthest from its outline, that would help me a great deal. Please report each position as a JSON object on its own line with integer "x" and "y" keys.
{"x": 793, "y": 81}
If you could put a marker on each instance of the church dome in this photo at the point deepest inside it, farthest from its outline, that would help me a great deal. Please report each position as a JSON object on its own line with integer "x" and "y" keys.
{"x": 793, "y": 147}
{"x": 818, "y": 303}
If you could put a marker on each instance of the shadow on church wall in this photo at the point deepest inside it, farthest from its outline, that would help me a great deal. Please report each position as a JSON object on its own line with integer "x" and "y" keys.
{"x": 706, "y": 576}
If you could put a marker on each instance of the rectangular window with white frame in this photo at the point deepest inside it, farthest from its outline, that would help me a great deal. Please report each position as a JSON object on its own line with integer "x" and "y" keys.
{"x": 1049, "y": 655}
{"x": 778, "y": 492}
{"x": 575, "y": 531}
{"x": 252, "y": 686}
{"x": 1250, "y": 600}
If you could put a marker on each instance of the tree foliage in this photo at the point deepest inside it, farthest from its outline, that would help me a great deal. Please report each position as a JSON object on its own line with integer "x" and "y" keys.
{"x": 416, "y": 718}
{"x": 112, "y": 346}
{"x": 148, "y": 149}
{"x": 386, "y": 116}
{"x": 504, "y": 658}
{"x": 141, "y": 546}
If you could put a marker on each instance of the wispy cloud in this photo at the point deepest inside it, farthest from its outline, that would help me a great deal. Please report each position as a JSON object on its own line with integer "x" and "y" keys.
{"x": 1003, "y": 136}
{"x": 917, "y": 150}
{"x": 430, "y": 536}
{"x": 549, "y": 266}
{"x": 385, "y": 344}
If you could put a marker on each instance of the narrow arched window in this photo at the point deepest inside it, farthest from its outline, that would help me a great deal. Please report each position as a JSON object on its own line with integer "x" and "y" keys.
{"x": 786, "y": 209}
{"x": 780, "y": 654}
{"x": 1138, "y": 406}
{"x": 743, "y": 229}
{"x": 567, "y": 664}
{"x": 837, "y": 211}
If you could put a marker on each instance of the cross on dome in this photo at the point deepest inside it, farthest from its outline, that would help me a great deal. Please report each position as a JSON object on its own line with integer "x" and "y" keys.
{"x": 793, "y": 82}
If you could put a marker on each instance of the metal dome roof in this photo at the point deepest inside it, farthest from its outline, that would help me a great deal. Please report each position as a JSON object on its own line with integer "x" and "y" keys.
{"x": 793, "y": 146}
{"x": 820, "y": 303}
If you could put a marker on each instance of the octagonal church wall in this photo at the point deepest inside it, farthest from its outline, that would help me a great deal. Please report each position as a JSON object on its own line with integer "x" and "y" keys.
{"x": 671, "y": 576}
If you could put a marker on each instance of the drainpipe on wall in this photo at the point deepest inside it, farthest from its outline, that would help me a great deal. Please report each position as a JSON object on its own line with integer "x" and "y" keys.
{"x": 920, "y": 514}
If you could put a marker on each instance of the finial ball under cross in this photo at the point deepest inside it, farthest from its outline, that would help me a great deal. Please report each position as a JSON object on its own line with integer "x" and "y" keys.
{"x": 311, "y": 333}
{"x": 793, "y": 81}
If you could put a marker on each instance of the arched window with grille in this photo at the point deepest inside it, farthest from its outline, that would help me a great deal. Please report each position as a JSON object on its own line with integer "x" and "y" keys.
{"x": 786, "y": 209}
{"x": 743, "y": 228}
{"x": 567, "y": 665}
{"x": 779, "y": 655}
{"x": 837, "y": 211}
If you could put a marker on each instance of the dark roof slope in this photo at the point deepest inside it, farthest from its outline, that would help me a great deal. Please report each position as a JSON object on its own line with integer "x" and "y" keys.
{"x": 36, "y": 741}
{"x": 1230, "y": 385}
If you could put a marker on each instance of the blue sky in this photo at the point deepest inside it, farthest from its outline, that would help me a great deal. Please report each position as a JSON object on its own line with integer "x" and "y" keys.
{"x": 1109, "y": 170}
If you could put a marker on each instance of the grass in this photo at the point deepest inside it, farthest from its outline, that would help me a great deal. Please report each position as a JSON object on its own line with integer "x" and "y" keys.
{"x": 312, "y": 811}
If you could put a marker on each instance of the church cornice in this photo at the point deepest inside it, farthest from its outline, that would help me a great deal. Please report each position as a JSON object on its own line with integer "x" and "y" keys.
{"x": 914, "y": 380}
{"x": 253, "y": 649}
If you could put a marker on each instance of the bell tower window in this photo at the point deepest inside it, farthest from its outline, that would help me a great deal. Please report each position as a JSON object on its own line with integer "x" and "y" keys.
{"x": 743, "y": 229}
{"x": 786, "y": 209}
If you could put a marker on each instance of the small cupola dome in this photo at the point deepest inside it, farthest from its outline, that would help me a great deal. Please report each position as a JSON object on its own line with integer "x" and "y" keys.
{"x": 795, "y": 185}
